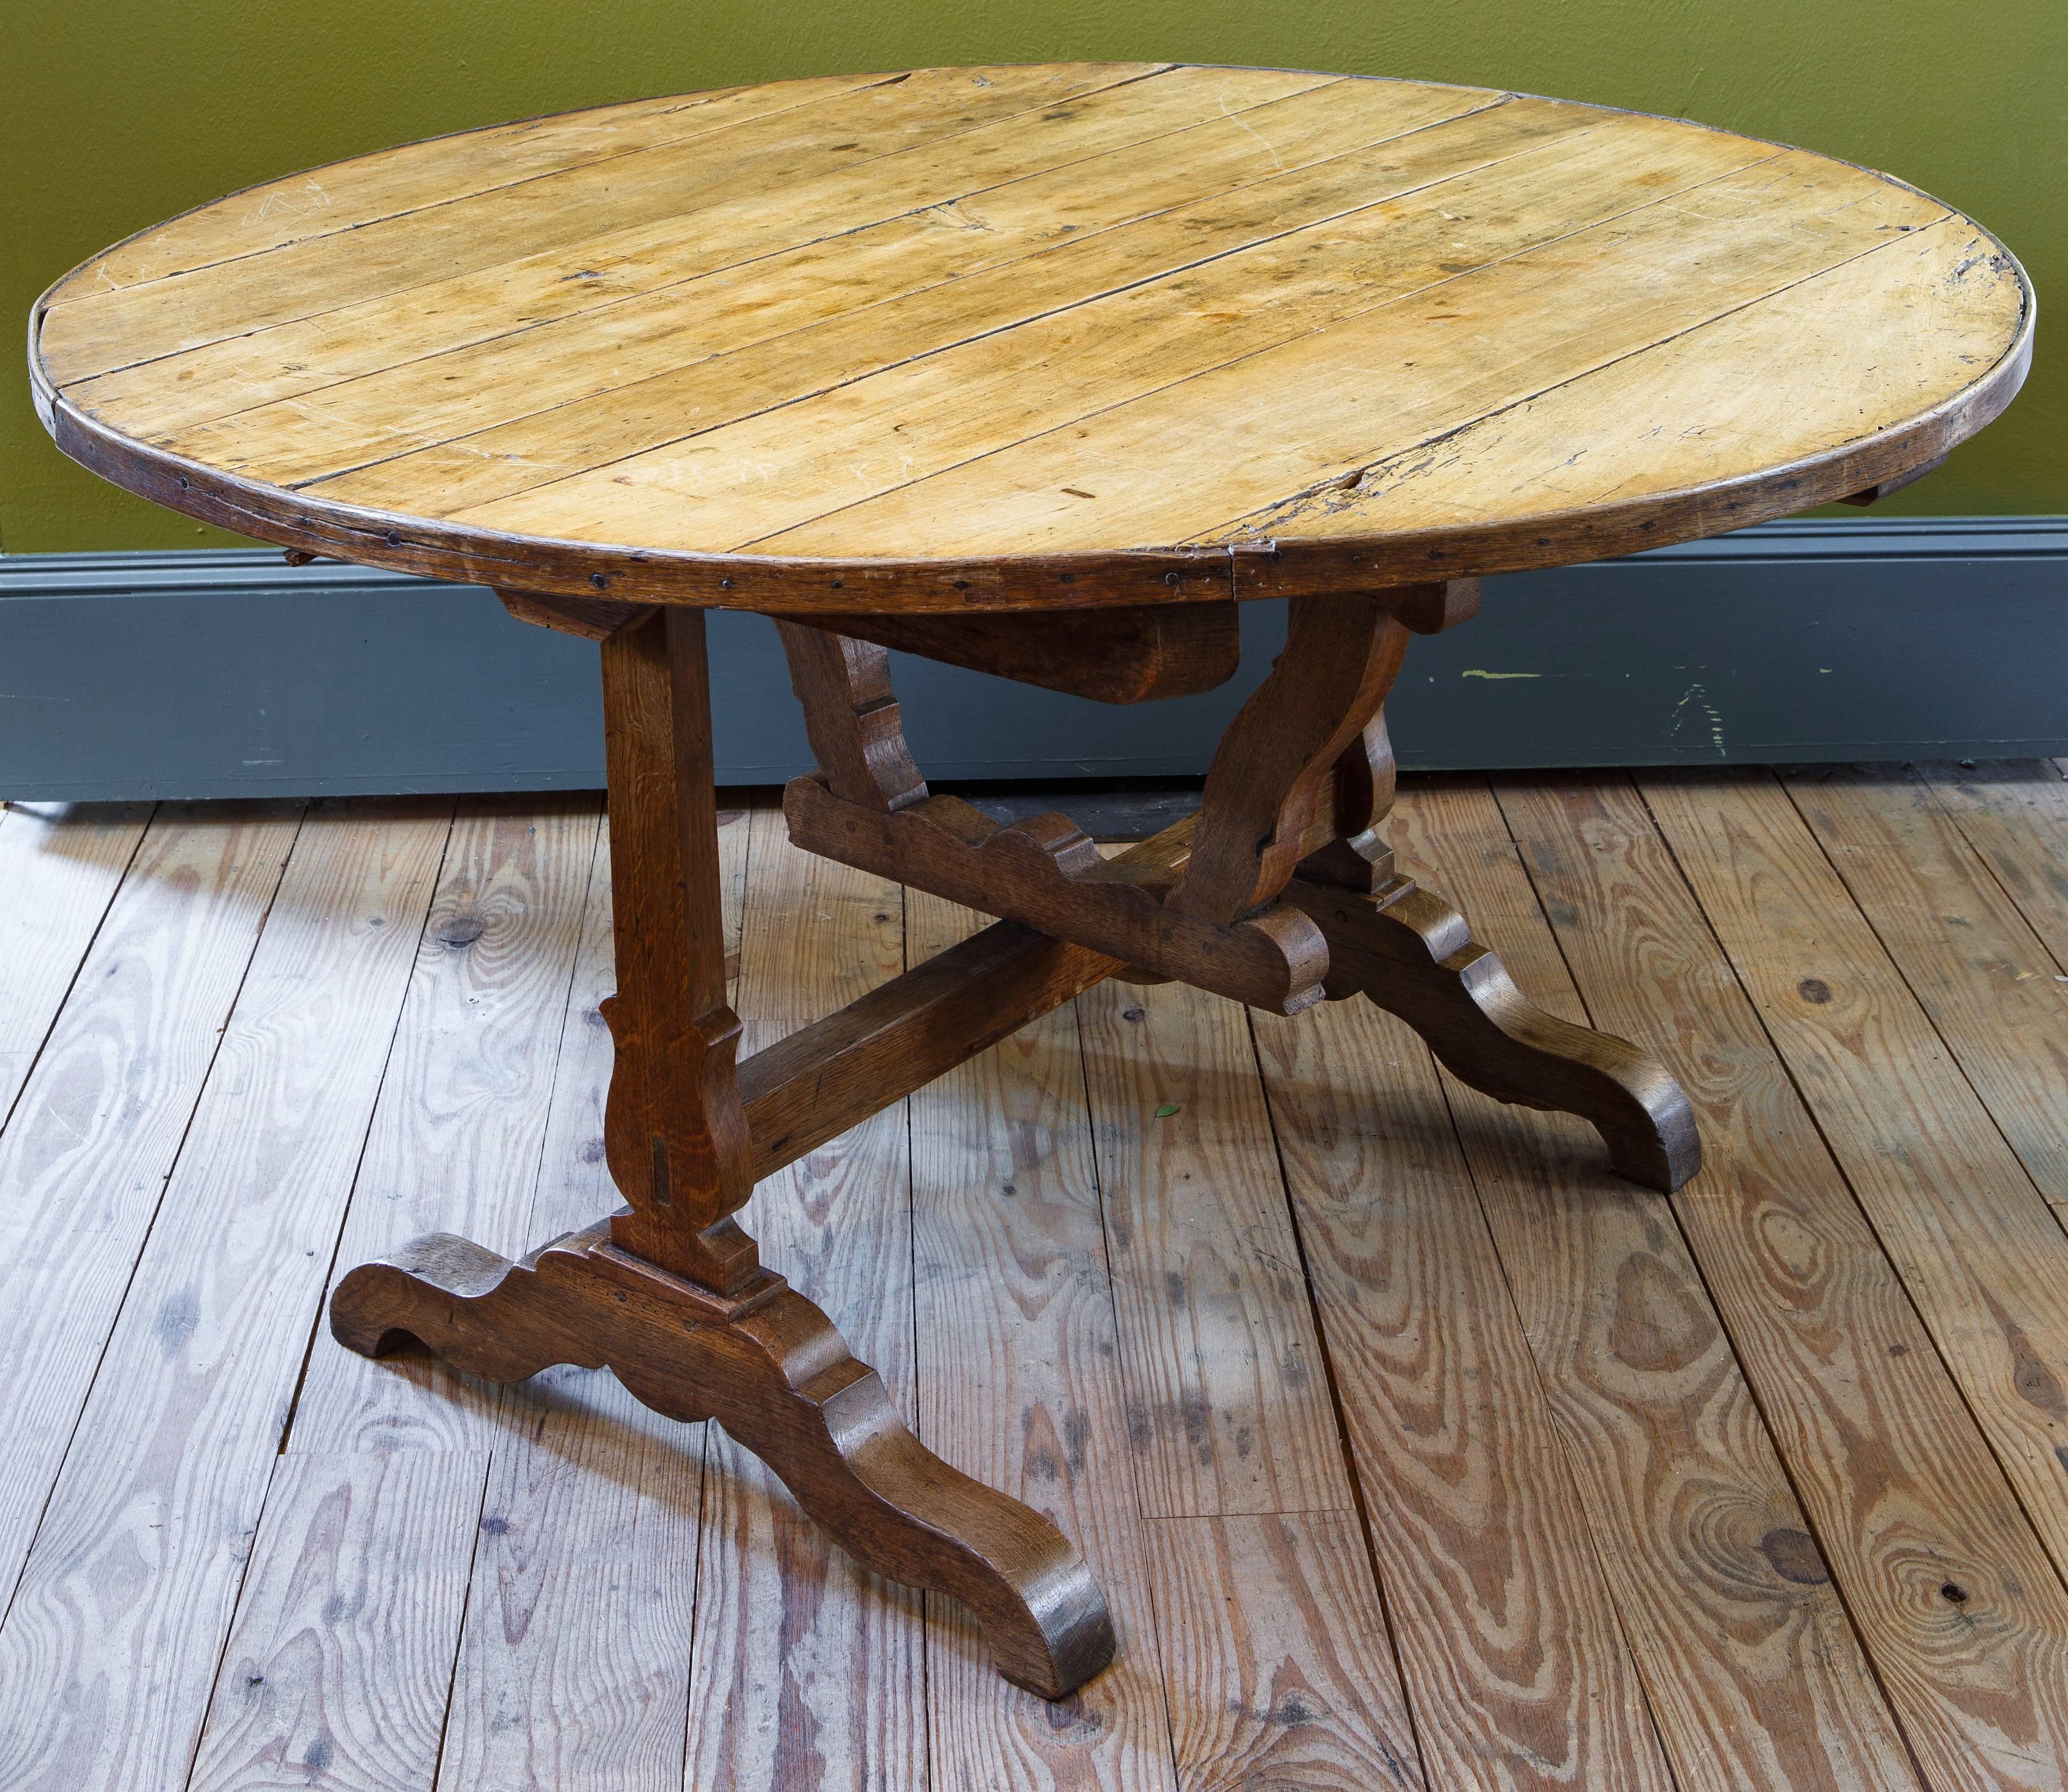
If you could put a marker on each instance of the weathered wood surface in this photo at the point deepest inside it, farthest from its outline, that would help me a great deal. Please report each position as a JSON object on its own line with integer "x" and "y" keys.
{"x": 776, "y": 1602}
{"x": 1020, "y": 1382}
{"x": 1727, "y": 1605}
{"x": 1792, "y": 1515}
{"x": 454, "y": 1140}
{"x": 572, "y": 1659}
{"x": 1952, "y": 1204}
{"x": 100, "y": 1121}
{"x": 817, "y": 1081}
{"x": 2014, "y": 813}
{"x": 1225, "y": 1378}
{"x": 338, "y": 1670}
{"x": 771, "y": 1368}
{"x": 1285, "y": 1676}
{"x": 1968, "y": 954}
{"x": 1506, "y": 1630}
{"x": 978, "y": 337}
{"x": 62, "y": 873}
{"x": 1908, "y": 1507}
{"x": 179, "y": 1438}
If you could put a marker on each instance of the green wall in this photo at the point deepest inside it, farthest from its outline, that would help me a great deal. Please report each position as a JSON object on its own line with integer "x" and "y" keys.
{"x": 116, "y": 114}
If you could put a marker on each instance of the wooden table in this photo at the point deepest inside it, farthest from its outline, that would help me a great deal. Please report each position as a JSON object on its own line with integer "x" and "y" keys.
{"x": 1041, "y": 371}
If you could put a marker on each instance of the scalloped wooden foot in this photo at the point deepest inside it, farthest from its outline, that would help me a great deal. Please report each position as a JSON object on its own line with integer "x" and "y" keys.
{"x": 769, "y": 1366}
{"x": 1415, "y": 955}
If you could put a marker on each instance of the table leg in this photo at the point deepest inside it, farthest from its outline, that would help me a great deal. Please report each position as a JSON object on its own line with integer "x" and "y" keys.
{"x": 669, "y": 1293}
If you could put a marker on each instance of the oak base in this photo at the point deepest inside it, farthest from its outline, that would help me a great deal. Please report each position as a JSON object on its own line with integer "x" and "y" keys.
{"x": 768, "y": 1366}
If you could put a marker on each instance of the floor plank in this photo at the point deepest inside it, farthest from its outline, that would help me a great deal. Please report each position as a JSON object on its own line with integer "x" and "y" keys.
{"x": 1754, "y": 1674}
{"x": 807, "y": 1670}
{"x": 455, "y": 1140}
{"x": 1514, "y": 1662}
{"x": 98, "y": 1129}
{"x": 1229, "y": 1404}
{"x": 573, "y": 1669}
{"x": 339, "y": 1664}
{"x": 108, "y": 1654}
{"x": 1720, "y": 1432}
{"x": 59, "y": 867}
{"x": 2014, "y": 814}
{"x": 1283, "y": 1676}
{"x": 1972, "y": 1238}
{"x": 1020, "y": 1385}
{"x": 1903, "y": 1497}
{"x": 1969, "y": 957}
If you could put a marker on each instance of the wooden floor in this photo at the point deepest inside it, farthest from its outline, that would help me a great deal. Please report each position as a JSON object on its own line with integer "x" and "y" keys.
{"x": 1412, "y": 1449}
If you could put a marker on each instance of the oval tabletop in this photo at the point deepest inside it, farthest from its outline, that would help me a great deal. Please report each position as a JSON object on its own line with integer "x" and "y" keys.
{"x": 1059, "y": 335}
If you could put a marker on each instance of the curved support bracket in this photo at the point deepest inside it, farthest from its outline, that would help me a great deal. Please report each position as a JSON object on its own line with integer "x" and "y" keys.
{"x": 770, "y": 1367}
{"x": 1413, "y": 954}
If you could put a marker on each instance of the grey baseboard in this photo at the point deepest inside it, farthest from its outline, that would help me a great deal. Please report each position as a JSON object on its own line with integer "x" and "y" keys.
{"x": 227, "y": 674}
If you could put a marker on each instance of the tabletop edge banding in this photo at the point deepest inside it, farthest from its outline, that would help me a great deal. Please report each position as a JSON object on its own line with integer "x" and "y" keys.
{"x": 1287, "y": 564}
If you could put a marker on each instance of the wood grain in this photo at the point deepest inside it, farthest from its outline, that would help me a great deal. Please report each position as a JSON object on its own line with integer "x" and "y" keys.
{"x": 454, "y": 1142}
{"x": 775, "y": 1602}
{"x": 180, "y": 1437}
{"x": 339, "y": 1666}
{"x": 2013, "y": 813}
{"x": 883, "y": 345}
{"x": 1952, "y": 1205}
{"x": 1228, "y": 1402}
{"x": 351, "y": 194}
{"x": 774, "y": 1373}
{"x": 1150, "y": 456}
{"x": 1135, "y": 351}
{"x": 673, "y": 1134}
{"x": 1700, "y": 403}
{"x": 1020, "y": 1384}
{"x": 1895, "y": 1478}
{"x": 60, "y": 869}
{"x": 1218, "y": 148}
{"x": 1751, "y": 1668}
{"x": 1272, "y": 779}
{"x": 574, "y": 1658}
{"x": 585, "y": 1638}
{"x": 1046, "y": 875}
{"x": 1507, "y": 1638}
{"x": 817, "y": 1081}
{"x": 96, "y": 329}
{"x": 100, "y": 1123}
{"x": 1292, "y": 1683}
{"x": 851, "y": 720}
{"x": 884, "y": 298}
{"x": 1967, "y": 954}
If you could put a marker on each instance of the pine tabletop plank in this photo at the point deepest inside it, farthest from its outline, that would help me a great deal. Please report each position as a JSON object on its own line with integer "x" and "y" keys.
{"x": 951, "y": 336}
